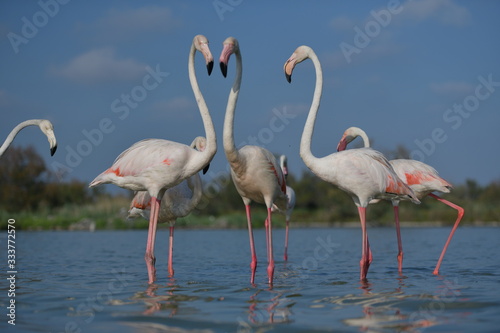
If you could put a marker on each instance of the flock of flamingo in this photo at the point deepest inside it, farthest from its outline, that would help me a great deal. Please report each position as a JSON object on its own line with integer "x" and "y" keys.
{"x": 165, "y": 174}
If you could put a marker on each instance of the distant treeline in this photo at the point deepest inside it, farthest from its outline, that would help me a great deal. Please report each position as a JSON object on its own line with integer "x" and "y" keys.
{"x": 318, "y": 201}
{"x": 28, "y": 186}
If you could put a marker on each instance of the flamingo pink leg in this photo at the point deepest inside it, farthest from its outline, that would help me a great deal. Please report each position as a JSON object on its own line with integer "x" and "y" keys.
{"x": 455, "y": 226}
{"x": 286, "y": 240}
{"x": 364, "y": 263}
{"x": 266, "y": 226}
{"x": 253, "y": 263}
{"x": 171, "y": 252}
{"x": 370, "y": 256}
{"x": 269, "y": 231}
{"x": 150, "y": 246}
{"x": 398, "y": 233}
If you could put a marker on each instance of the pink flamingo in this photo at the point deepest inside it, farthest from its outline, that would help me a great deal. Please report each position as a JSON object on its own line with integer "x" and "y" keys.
{"x": 45, "y": 126}
{"x": 178, "y": 201}
{"x": 155, "y": 165}
{"x": 290, "y": 203}
{"x": 254, "y": 170}
{"x": 422, "y": 179}
{"x": 364, "y": 173}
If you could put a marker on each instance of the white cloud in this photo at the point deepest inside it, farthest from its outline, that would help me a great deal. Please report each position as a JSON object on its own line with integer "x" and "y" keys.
{"x": 342, "y": 23}
{"x": 452, "y": 87}
{"x": 294, "y": 109}
{"x": 181, "y": 106}
{"x": 384, "y": 42}
{"x": 100, "y": 65}
{"x": 380, "y": 47}
{"x": 121, "y": 24}
{"x": 444, "y": 11}
{"x": 334, "y": 59}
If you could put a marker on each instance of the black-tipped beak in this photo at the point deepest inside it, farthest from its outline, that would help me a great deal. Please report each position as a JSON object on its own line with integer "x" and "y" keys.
{"x": 53, "y": 150}
{"x": 223, "y": 68}
{"x": 210, "y": 66}
{"x": 205, "y": 169}
{"x": 288, "y": 71}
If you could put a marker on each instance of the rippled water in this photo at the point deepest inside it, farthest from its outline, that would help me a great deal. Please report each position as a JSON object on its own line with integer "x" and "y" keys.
{"x": 97, "y": 282}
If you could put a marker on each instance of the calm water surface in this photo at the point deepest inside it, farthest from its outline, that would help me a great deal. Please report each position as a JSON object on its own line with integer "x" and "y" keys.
{"x": 97, "y": 282}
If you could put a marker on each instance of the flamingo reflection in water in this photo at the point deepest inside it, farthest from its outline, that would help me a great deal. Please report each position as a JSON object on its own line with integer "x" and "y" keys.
{"x": 274, "y": 311}
{"x": 381, "y": 310}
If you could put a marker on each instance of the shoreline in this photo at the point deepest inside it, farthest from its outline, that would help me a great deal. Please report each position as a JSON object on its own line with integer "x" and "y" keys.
{"x": 293, "y": 225}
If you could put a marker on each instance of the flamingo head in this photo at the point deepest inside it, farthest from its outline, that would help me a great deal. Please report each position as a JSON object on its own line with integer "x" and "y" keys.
{"x": 47, "y": 129}
{"x": 299, "y": 55}
{"x": 349, "y": 135}
{"x": 200, "y": 143}
{"x": 230, "y": 46}
{"x": 284, "y": 165}
{"x": 342, "y": 145}
{"x": 200, "y": 42}
{"x": 347, "y": 138}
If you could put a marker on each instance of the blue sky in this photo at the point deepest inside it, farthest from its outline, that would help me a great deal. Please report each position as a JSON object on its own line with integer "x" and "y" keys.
{"x": 424, "y": 74}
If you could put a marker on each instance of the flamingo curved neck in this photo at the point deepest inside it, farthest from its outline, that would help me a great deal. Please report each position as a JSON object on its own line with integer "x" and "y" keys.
{"x": 362, "y": 134}
{"x": 305, "y": 141}
{"x": 194, "y": 184}
{"x": 15, "y": 130}
{"x": 211, "y": 147}
{"x": 228, "y": 132}
{"x": 366, "y": 141}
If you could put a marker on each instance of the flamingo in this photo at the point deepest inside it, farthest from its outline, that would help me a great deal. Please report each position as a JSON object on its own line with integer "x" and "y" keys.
{"x": 256, "y": 174}
{"x": 45, "y": 126}
{"x": 155, "y": 165}
{"x": 178, "y": 201}
{"x": 422, "y": 179}
{"x": 363, "y": 173}
{"x": 290, "y": 204}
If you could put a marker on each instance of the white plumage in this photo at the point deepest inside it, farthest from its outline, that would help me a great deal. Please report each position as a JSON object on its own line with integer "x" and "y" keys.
{"x": 422, "y": 179}
{"x": 155, "y": 165}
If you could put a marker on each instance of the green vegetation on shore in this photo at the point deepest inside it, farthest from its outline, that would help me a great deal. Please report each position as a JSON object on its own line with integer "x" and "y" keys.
{"x": 37, "y": 200}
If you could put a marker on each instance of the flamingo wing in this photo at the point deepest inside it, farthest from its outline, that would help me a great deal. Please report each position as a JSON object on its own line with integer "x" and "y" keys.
{"x": 145, "y": 156}
{"x": 178, "y": 201}
{"x": 421, "y": 177}
{"x": 367, "y": 173}
{"x": 275, "y": 169}
{"x": 394, "y": 185}
{"x": 183, "y": 198}
{"x": 140, "y": 203}
{"x": 290, "y": 193}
